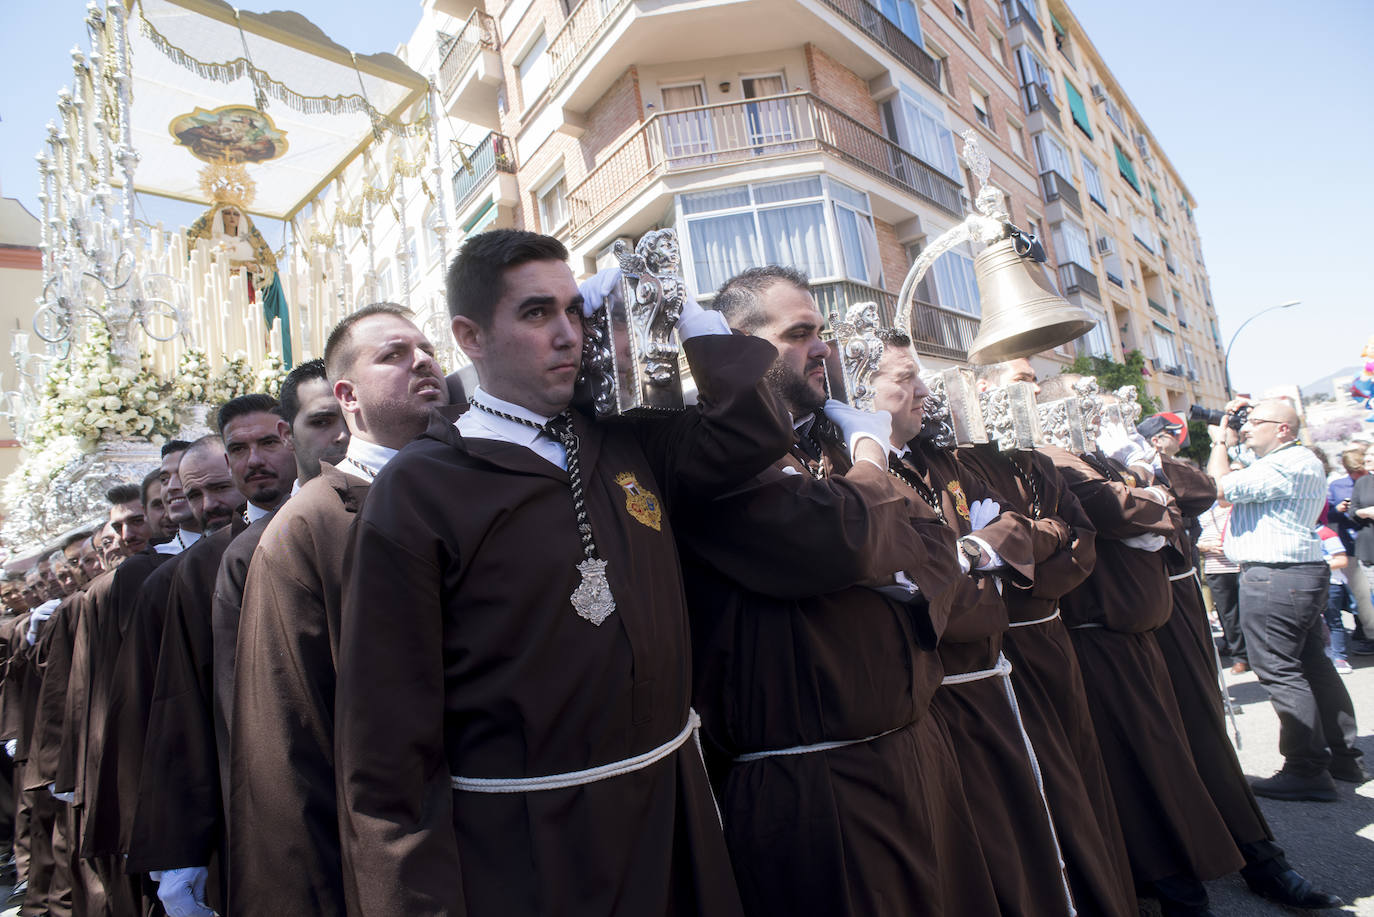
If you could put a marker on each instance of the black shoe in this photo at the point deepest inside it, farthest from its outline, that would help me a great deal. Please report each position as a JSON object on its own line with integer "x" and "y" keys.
{"x": 1362, "y": 647}
{"x": 1295, "y": 787}
{"x": 17, "y": 895}
{"x": 1290, "y": 888}
{"x": 1348, "y": 769}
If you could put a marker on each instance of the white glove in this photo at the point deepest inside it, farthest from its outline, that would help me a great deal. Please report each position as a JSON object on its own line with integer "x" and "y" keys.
{"x": 65, "y": 797}
{"x": 855, "y": 424}
{"x": 1150, "y": 543}
{"x": 182, "y": 892}
{"x": 1113, "y": 441}
{"x": 40, "y": 614}
{"x": 982, "y": 512}
{"x": 12, "y": 747}
{"x": 599, "y": 288}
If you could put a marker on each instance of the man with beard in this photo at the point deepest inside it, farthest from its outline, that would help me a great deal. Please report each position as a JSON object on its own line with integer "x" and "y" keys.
{"x": 513, "y": 627}
{"x": 822, "y": 580}
{"x": 1041, "y": 804}
{"x": 178, "y": 824}
{"x": 316, "y": 430}
{"x": 284, "y": 846}
{"x": 1045, "y": 674}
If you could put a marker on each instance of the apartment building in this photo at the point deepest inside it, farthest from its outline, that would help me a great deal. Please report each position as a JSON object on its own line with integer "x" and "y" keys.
{"x": 817, "y": 133}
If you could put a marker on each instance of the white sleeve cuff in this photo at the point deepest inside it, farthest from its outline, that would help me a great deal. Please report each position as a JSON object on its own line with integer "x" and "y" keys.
{"x": 701, "y": 321}
{"x": 994, "y": 559}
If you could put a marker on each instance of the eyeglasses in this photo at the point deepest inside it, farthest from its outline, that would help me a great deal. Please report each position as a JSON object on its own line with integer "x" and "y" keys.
{"x": 1256, "y": 421}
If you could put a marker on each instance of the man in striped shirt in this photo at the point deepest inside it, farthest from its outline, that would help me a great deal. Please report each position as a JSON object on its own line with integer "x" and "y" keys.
{"x": 1283, "y": 585}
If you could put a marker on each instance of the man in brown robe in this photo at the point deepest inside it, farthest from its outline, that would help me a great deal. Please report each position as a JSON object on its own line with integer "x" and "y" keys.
{"x": 1185, "y": 641}
{"x": 482, "y": 650}
{"x": 1002, "y": 774}
{"x": 818, "y": 590}
{"x": 1175, "y": 836}
{"x": 177, "y": 834}
{"x": 1045, "y": 672}
{"x": 284, "y": 842}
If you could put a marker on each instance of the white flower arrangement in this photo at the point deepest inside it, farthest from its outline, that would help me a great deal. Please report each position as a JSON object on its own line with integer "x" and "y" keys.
{"x": 196, "y": 385}
{"x": 271, "y": 375}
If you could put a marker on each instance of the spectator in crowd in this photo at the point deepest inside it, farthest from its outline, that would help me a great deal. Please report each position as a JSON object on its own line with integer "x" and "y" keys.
{"x": 1223, "y": 581}
{"x": 1338, "y": 597}
{"x": 1347, "y": 525}
{"x": 1362, "y": 504}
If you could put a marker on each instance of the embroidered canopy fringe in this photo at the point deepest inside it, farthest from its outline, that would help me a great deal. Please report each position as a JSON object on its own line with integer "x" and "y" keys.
{"x": 264, "y": 84}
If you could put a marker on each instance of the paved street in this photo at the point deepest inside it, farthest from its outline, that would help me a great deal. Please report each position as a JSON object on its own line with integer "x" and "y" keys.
{"x": 1331, "y": 843}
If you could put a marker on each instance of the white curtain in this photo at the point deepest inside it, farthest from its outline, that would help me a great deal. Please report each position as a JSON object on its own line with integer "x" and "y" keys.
{"x": 722, "y": 247}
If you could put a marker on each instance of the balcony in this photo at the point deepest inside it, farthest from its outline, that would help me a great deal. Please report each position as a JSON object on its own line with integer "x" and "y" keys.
{"x": 470, "y": 72}
{"x": 1019, "y": 18}
{"x": 1074, "y": 278}
{"x": 1112, "y": 278}
{"x": 936, "y": 331}
{"x": 1040, "y": 103}
{"x": 1156, "y": 306}
{"x": 1058, "y": 188}
{"x": 574, "y": 40}
{"x": 488, "y": 159}
{"x": 744, "y": 133}
{"x": 885, "y": 32}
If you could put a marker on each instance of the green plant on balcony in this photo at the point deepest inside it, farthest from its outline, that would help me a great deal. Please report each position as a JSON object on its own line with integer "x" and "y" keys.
{"x": 1111, "y": 375}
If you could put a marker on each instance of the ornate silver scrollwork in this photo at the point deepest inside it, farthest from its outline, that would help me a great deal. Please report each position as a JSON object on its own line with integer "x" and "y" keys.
{"x": 860, "y": 349}
{"x": 1062, "y": 423}
{"x": 1011, "y": 416}
{"x": 630, "y": 356}
{"x": 954, "y": 406}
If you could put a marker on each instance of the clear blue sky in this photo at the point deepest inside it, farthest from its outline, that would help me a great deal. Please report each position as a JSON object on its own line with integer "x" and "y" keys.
{"x": 1263, "y": 107}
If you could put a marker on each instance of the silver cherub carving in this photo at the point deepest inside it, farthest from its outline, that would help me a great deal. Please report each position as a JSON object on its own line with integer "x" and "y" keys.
{"x": 860, "y": 349}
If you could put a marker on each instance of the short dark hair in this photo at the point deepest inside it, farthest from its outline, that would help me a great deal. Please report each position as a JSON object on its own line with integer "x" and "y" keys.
{"x": 149, "y": 480}
{"x": 305, "y": 372}
{"x": 242, "y": 406}
{"x": 210, "y": 442}
{"x": 175, "y": 445}
{"x": 122, "y": 493}
{"x": 987, "y": 372}
{"x": 738, "y": 298}
{"x": 338, "y": 352}
{"x": 476, "y": 278}
{"x": 75, "y": 538}
{"x": 891, "y": 337}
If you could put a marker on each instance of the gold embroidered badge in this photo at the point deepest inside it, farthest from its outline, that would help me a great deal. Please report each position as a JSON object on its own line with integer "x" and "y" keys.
{"x": 1128, "y": 478}
{"x": 960, "y": 501}
{"x": 639, "y": 502}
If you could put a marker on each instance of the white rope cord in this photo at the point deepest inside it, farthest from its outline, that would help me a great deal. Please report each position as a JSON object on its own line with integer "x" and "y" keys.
{"x": 1180, "y": 576}
{"x": 579, "y": 778}
{"x": 1044, "y": 620}
{"x": 808, "y": 749}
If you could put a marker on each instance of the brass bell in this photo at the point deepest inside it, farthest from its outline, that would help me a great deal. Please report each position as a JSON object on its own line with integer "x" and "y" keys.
{"x": 1022, "y": 313}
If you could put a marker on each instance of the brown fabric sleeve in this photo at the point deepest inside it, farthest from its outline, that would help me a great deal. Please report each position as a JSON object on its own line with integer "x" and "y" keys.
{"x": 1116, "y": 511}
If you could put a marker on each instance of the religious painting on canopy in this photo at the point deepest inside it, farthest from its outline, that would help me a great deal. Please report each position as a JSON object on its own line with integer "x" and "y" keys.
{"x": 233, "y": 132}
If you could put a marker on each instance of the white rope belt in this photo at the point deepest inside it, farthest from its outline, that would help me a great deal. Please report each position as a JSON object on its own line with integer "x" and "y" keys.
{"x": 1003, "y": 669}
{"x": 808, "y": 749}
{"x": 578, "y": 778}
{"x": 1178, "y": 576}
{"x": 1085, "y": 626}
{"x": 1044, "y": 620}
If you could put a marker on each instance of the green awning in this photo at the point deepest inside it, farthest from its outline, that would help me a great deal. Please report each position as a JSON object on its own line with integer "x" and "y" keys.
{"x": 1079, "y": 110}
{"x": 1123, "y": 164}
{"x": 1057, "y": 26}
{"x": 1165, "y": 328}
{"x": 481, "y": 219}
{"x": 1154, "y": 196}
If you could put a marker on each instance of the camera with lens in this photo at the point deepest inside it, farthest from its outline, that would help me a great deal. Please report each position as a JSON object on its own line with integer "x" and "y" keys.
{"x": 1214, "y": 418}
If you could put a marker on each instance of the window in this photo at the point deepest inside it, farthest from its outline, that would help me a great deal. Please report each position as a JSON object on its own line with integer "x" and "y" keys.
{"x": 956, "y": 286}
{"x": 553, "y": 205}
{"x": 814, "y": 224}
{"x": 1078, "y": 109}
{"x": 1033, "y": 70}
{"x": 903, "y": 14}
{"x": 1163, "y": 338}
{"x": 980, "y": 107}
{"x": 960, "y": 13}
{"x": 1114, "y": 113}
{"x": 1092, "y": 181}
{"x": 999, "y": 47}
{"x": 1071, "y": 244}
{"x": 385, "y": 284}
{"x": 1144, "y": 230}
{"x": 920, "y": 128}
{"x": 432, "y": 246}
{"x": 1052, "y": 156}
{"x": 688, "y": 134}
{"x": 1098, "y": 341}
{"x": 1018, "y": 142}
{"x": 1126, "y": 167}
{"x": 533, "y": 70}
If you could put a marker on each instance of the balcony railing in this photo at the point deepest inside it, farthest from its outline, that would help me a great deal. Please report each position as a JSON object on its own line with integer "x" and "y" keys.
{"x": 936, "y": 331}
{"x": 1074, "y": 278}
{"x": 1017, "y": 12}
{"x": 1112, "y": 278}
{"x": 731, "y": 133}
{"x": 1037, "y": 99}
{"x": 1156, "y": 306}
{"x": 573, "y": 41}
{"x": 886, "y": 33}
{"x": 490, "y": 156}
{"x": 477, "y": 33}
{"x": 1058, "y": 188}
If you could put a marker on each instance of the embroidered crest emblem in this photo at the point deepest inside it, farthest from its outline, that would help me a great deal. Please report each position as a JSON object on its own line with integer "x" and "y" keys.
{"x": 1129, "y": 479}
{"x": 960, "y": 501}
{"x": 640, "y": 502}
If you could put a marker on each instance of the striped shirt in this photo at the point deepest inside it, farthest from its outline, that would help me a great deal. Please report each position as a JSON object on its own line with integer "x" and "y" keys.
{"x": 1276, "y": 502}
{"x": 1216, "y": 526}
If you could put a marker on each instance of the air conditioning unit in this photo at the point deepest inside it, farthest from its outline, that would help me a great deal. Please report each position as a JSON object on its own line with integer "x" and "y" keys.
{"x": 1099, "y": 93}
{"x": 1106, "y": 245}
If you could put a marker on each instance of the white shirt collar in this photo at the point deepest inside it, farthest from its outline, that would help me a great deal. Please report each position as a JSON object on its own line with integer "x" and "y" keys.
{"x": 798, "y": 422}
{"x": 367, "y": 454}
{"x": 254, "y": 512}
{"x": 183, "y": 540}
{"x": 296, "y": 486}
{"x": 499, "y": 427}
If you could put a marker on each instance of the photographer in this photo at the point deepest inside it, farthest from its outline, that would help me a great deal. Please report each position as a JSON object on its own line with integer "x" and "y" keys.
{"x": 1283, "y": 588}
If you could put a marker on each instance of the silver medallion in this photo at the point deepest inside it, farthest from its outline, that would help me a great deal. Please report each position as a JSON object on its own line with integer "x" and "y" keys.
{"x": 592, "y": 598}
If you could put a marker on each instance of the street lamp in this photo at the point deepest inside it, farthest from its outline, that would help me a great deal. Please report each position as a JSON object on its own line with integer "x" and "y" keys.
{"x": 1226, "y": 363}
